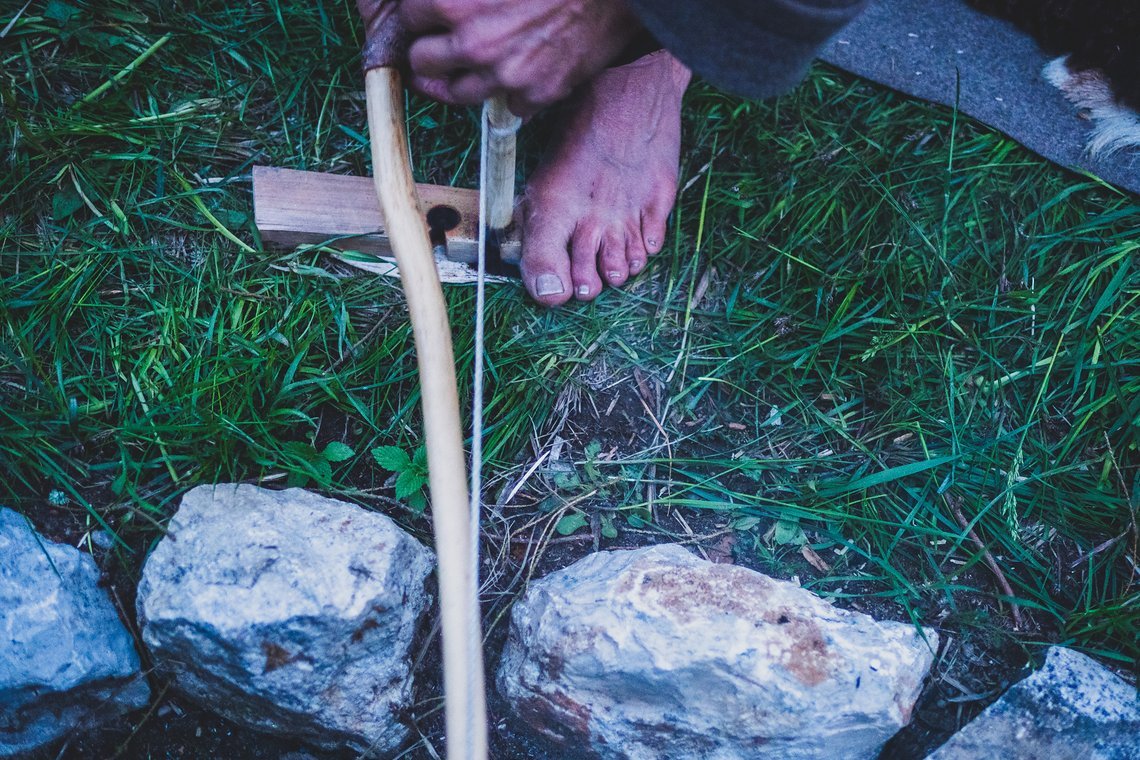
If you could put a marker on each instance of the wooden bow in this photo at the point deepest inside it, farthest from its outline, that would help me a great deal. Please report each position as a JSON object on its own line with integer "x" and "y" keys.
{"x": 463, "y": 676}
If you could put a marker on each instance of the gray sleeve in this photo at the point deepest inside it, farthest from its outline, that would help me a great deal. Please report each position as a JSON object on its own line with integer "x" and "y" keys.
{"x": 754, "y": 48}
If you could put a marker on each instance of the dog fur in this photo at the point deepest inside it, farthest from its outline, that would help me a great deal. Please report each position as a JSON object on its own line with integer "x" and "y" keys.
{"x": 1098, "y": 70}
{"x": 1115, "y": 125}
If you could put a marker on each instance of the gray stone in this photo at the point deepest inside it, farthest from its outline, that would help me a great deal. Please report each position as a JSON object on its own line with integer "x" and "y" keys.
{"x": 66, "y": 660}
{"x": 1073, "y": 708}
{"x": 657, "y": 654}
{"x": 288, "y": 612}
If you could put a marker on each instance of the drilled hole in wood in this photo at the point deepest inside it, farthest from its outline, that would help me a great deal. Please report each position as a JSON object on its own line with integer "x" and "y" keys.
{"x": 441, "y": 220}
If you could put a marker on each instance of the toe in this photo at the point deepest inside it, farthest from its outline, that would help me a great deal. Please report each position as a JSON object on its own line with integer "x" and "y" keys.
{"x": 653, "y": 220}
{"x": 546, "y": 262}
{"x": 635, "y": 253}
{"x": 613, "y": 265}
{"x": 585, "y": 246}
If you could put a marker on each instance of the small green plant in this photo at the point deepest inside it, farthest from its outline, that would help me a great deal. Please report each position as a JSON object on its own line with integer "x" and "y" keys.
{"x": 305, "y": 463}
{"x": 786, "y": 532}
{"x": 592, "y": 478}
{"x": 410, "y": 471}
{"x": 589, "y": 478}
{"x": 578, "y": 519}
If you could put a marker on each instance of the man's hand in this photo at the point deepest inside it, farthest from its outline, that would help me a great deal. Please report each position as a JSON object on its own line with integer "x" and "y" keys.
{"x": 534, "y": 51}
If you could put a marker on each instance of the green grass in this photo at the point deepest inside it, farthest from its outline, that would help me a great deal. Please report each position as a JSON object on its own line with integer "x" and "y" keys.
{"x": 939, "y": 317}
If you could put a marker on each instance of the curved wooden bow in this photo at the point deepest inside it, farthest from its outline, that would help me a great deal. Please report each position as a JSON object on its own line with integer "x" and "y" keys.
{"x": 463, "y": 676}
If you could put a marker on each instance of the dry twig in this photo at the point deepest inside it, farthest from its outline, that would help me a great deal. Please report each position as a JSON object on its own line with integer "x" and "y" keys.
{"x": 991, "y": 563}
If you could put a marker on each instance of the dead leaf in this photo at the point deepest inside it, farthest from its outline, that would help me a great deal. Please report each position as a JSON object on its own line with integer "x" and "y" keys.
{"x": 643, "y": 386}
{"x": 814, "y": 559}
{"x": 721, "y": 552}
{"x": 703, "y": 286}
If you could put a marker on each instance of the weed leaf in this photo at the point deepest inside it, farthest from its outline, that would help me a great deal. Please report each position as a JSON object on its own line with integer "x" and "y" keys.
{"x": 338, "y": 452}
{"x": 788, "y": 533}
{"x": 571, "y": 524}
{"x": 409, "y": 482}
{"x": 391, "y": 458}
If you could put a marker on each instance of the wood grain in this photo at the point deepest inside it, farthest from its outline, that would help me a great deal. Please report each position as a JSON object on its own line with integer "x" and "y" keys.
{"x": 463, "y": 677}
{"x": 502, "y": 131}
{"x": 294, "y": 208}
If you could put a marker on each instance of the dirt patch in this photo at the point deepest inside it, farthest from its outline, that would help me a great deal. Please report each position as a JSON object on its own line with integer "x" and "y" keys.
{"x": 178, "y": 729}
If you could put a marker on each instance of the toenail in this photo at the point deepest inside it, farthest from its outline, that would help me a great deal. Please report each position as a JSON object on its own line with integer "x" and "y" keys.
{"x": 651, "y": 243}
{"x": 583, "y": 290}
{"x": 549, "y": 285}
{"x": 614, "y": 276}
{"x": 636, "y": 265}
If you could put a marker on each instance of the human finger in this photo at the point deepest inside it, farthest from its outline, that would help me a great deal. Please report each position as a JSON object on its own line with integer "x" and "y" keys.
{"x": 522, "y": 106}
{"x": 463, "y": 90}
{"x": 472, "y": 87}
{"x": 422, "y": 16}
{"x": 434, "y": 88}
{"x": 532, "y": 97}
{"x": 442, "y": 55}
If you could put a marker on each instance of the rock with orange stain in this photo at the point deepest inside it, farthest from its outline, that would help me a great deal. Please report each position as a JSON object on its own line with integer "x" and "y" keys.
{"x": 657, "y": 654}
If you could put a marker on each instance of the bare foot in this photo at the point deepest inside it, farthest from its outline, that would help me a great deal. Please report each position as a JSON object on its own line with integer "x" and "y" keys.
{"x": 596, "y": 208}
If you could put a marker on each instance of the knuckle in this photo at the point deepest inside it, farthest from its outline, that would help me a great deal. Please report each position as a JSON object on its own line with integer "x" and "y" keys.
{"x": 468, "y": 46}
{"x": 449, "y": 11}
{"x": 510, "y": 77}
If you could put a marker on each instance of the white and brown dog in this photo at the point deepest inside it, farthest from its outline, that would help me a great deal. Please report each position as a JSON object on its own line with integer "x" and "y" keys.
{"x": 1098, "y": 68}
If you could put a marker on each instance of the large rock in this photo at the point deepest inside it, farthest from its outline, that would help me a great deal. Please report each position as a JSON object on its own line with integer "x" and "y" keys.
{"x": 288, "y": 612}
{"x": 66, "y": 660}
{"x": 1073, "y": 708}
{"x": 656, "y": 654}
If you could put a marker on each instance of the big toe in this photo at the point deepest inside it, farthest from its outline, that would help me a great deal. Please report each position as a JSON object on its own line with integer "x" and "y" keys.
{"x": 546, "y": 261}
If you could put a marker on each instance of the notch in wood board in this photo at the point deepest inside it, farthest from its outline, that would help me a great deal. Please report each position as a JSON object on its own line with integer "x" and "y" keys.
{"x": 294, "y": 208}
